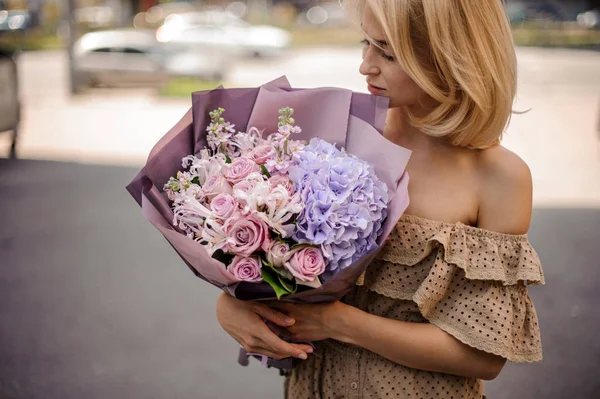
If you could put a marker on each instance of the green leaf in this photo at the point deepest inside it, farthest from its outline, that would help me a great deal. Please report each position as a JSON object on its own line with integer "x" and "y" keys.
{"x": 264, "y": 171}
{"x": 287, "y": 284}
{"x": 227, "y": 159}
{"x": 282, "y": 272}
{"x": 271, "y": 278}
{"x": 196, "y": 180}
{"x": 222, "y": 256}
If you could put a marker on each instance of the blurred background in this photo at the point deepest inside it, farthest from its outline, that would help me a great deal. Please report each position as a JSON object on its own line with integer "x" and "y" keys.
{"x": 93, "y": 301}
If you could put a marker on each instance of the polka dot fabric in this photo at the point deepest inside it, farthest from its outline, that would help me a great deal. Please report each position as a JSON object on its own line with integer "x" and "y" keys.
{"x": 470, "y": 282}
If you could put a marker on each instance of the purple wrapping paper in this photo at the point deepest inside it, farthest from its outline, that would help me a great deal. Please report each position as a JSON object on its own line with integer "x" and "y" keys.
{"x": 352, "y": 120}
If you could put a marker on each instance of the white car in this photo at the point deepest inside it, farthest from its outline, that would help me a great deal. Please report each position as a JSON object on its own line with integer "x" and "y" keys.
{"x": 229, "y": 33}
{"x": 131, "y": 56}
{"x": 589, "y": 19}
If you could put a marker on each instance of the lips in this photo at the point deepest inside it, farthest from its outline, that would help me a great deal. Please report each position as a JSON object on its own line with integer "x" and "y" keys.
{"x": 375, "y": 90}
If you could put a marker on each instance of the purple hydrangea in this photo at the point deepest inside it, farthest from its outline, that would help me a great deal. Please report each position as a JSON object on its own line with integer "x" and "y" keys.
{"x": 345, "y": 203}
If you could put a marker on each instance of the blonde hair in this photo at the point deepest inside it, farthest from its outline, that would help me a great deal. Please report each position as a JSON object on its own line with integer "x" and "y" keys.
{"x": 461, "y": 53}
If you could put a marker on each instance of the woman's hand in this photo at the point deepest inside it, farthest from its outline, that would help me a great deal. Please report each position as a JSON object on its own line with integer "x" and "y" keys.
{"x": 314, "y": 322}
{"x": 245, "y": 322}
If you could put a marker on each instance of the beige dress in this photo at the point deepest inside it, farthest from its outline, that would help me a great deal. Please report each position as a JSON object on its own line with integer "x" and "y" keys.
{"x": 470, "y": 282}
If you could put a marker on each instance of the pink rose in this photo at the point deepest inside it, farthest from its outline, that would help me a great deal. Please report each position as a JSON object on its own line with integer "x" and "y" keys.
{"x": 224, "y": 205}
{"x": 216, "y": 185}
{"x": 261, "y": 154}
{"x": 246, "y": 269}
{"x": 239, "y": 169}
{"x": 246, "y": 234}
{"x": 277, "y": 252}
{"x": 282, "y": 180}
{"x": 305, "y": 264}
{"x": 244, "y": 185}
{"x": 249, "y": 182}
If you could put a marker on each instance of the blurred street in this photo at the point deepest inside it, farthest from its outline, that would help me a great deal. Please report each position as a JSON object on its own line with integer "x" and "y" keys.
{"x": 94, "y": 303}
{"x": 558, "y": 137}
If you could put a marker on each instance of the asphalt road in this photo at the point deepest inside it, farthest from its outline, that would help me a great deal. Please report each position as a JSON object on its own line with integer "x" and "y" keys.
{"x": 95, "y": 304}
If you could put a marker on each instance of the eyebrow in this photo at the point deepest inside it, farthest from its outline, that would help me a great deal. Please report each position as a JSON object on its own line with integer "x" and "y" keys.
{"x": 379, "y": 42}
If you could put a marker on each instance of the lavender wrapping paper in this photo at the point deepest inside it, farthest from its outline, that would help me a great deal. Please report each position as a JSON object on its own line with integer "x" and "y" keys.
{"x": 352, "y": 120}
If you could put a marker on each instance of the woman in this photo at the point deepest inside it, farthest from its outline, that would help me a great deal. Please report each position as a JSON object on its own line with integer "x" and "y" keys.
{"x": 445, "y": 304}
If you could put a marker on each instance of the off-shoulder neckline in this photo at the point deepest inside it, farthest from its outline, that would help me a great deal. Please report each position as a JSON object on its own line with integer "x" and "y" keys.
{"x": 414, "y": 219}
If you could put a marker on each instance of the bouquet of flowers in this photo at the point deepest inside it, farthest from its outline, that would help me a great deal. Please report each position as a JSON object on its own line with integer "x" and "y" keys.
{"x": 276, "y": 210}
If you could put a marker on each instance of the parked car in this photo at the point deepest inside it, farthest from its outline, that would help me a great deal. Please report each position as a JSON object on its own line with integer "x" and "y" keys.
{"x": 131, "y": 56}
{"x": 589, "y": 19}
{"x": 11, "y": 22}
{"x": 14, "y": 20}
{"x": 10, "y": 106}
{"x": 225, "y": 30}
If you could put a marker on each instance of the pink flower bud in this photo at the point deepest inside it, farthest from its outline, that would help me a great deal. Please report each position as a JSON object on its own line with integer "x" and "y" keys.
{"x": 246, "y": 234}
{"x": 224, "y": 205}
{"x": 216, "y": 185}
{"x": 282, "y": 180}
{"x": 246, "y": 269}
{"x": 261, "y": 154}
{"x": 277, "y": 253}
{"x": 305, "y": 263}
{"x": 239, "y": 169}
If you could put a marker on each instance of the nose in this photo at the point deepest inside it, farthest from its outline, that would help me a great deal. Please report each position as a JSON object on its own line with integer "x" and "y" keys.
{"x": 369, "y": 66}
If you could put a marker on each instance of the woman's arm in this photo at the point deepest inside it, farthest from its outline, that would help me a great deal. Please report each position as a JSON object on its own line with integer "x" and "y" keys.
{"x": 421, "y": 346}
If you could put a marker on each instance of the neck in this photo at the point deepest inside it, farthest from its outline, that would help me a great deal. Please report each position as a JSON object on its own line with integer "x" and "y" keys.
{"x": 399, "y": 131}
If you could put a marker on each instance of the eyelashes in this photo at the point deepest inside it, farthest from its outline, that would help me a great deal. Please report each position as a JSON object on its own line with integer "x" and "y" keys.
{"x": 385, "y": 56}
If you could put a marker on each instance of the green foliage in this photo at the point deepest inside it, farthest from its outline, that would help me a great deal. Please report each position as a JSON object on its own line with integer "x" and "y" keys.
{"x": 280, "y": 285}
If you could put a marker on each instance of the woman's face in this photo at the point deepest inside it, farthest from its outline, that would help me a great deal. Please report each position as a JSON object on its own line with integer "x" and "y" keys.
{"x": 385, "y": 76}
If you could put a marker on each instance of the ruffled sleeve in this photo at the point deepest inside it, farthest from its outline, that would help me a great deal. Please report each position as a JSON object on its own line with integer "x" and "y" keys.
{"x": 471, "y": 283}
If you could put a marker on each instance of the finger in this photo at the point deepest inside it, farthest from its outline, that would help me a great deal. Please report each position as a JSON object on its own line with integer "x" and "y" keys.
{"x": 303, "y": 347}
{"x": 285, "y": 333}
{"x": 273, "y": 315}
{"x": 258, "y": 349}
{"x": 280, "y": 331}
{"x": 275, "y": 344}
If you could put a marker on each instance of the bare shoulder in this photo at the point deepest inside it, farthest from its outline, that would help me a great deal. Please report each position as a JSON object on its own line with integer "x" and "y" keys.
{"x": 505, "y": 191}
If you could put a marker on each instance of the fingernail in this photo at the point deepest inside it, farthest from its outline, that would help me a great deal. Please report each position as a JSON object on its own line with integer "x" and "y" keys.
{"x": 288, "y": 320}
{"x": 302, "y": 356}
{"x": 309, "y": 350}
